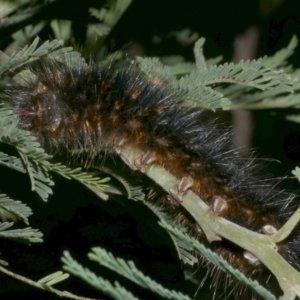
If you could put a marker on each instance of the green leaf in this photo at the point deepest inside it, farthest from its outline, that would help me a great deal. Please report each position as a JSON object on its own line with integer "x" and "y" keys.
{"x": 54, "y": 278}
{"x": 61, "y": 29}
{"x": 279, "y": 58}
{"x": 248, "y": 73}
{"x": 28, "y": 234}
{"x": 78, "y": 175}
{"x": 153, "y": 67}
{"x": 11, "y": 162}
{"x": 198, "y": 50}
{"x": 25, "y": 34}
{"x": 115, "y": 291}
{"x": 218, "y": 261}
{"x": 29, "y": 54}
{"x": 204, "y": 97}
{"x": 129, "y": 270}
{"x": 17, "y": 208}
{"x": 293, "y": 118}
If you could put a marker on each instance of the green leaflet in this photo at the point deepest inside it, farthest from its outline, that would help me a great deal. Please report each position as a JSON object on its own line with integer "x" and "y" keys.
{"x": 16, "y": 208}
{"x": 29, "y": 54}
{"x": 126, "y": 269}
{"x": 278, "y": 60}
{"x": 225, "y": 86}
{"x": 32, "y": 158}
{"x": 129, "y": 270}
{"x": 28, "y": 234}
{"x": 116, "y": 291}
{"x": 217, "y": 261}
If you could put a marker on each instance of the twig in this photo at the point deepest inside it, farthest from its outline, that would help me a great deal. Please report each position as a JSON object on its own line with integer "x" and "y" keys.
{"x": 62, "y": 294}
{"x": 287, "y": 228}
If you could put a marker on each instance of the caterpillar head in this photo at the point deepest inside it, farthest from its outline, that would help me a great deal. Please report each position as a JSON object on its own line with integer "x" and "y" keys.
{"x": 53, "y": 102}
{"x": 37, "y": 108}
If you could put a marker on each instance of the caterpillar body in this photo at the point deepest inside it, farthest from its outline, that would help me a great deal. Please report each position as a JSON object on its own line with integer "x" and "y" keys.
{"x": 100, "y": 109}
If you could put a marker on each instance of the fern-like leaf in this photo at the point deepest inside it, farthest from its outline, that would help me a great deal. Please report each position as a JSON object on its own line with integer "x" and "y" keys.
{"x": 178, "y": 66}
{"x": 29, "y": 54}
{"x": 153, "y": 67}
{"x": 78, "y": 175}
{"x": 12, "y": 162}
{"x": 27, "y": 235}
{"x": 199, "y": 57}
{"x": 115, "y": 291}
{"x": 34, "y": 159}
{"x": 206, "y": 97}
{"x": 16, "y": 208}
{"x": 248, "y": 73}
{"x": 129, "y": 270}
{"x": 217, "y": 260}
{"x": 183, "y": 250}
{"x": 278, "y": 60}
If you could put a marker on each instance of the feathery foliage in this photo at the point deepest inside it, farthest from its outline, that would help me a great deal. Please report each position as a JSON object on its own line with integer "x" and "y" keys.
{"x": 217, "y": 260}
{"x": 116, "y": 291}
{"x": 28, "y": 54}
{"x": 126, "y": 269}
{"x": 28, "y": 235}
{"x": 129, "y": 270}
{"x": 206, "y": 86}
{"x": 16, "y": 210}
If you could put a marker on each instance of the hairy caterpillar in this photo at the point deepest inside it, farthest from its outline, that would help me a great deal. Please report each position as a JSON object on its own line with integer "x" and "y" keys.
{"x": 101, "y": 109}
